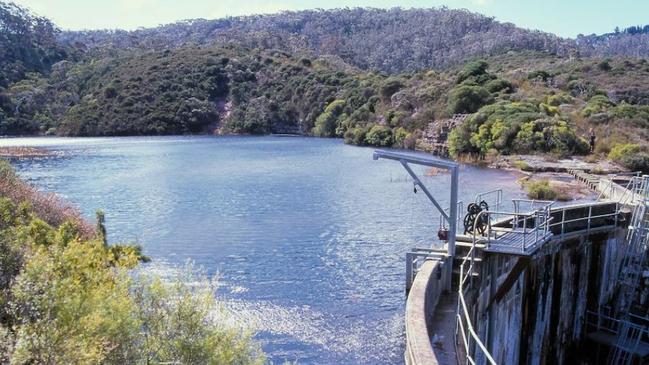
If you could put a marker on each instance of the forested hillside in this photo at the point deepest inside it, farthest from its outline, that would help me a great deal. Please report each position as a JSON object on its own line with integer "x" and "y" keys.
{"x": 314, "y": 73}
{"x": 394, "y": 40}
{"x": 28, "y": 43}
{"x": 632, "y": 41}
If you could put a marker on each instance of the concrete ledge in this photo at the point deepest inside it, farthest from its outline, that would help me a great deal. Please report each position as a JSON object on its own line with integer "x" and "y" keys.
{"x": 420, "y": 307}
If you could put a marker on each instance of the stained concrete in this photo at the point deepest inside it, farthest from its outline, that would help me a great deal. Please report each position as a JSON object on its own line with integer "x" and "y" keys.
{"x": 541, "y": 319}
{"x": 442, "y": 329}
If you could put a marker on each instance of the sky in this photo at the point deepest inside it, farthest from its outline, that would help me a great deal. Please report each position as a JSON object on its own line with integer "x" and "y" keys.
{"x": 563, "y": 17}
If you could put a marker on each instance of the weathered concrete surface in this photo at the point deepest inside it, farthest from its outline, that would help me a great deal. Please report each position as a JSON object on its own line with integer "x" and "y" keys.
{"x": 541, "y": 319}
{"x": 423, "y": 298}
{"x": 442, "y": 329}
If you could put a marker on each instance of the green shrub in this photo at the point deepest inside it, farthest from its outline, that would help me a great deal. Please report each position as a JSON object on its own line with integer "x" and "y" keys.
{"x": 522, "y": 165}
{"x": 400, "y": 135}
{"x": 539, "y": 74}
{"x": 632, "y": 156}
{"x": 70, "y": 299}
{"x": 559, "y": 99}
{"x": 468, "y": 99}
{"x": 493, "y": 126}
{"x": 356, "y": 136}
{"x": 636, "y": 162}
{"x": 549, "y": 135}
{"x": 514, "y": 127}
{"x": 549, "y": 109}
{"x": 110, "y": 92}
{"x": 596, "y": 104}
{"x": 326, "y": 123}
{"x": 498, "y": 85}
{"x": 473, "y": 69}
{"x": 179, "y": 317}
{"x": 389, "y": 87}
{"x": 410, "y": 142}
{"x": 604, "y": 65}
{"x": 379, "y": 135}
{"x": 620, "y": 151}
{"x": 630, "y": 111}
{"x": 541, "y": 190}
{"x": 459, "y": 142}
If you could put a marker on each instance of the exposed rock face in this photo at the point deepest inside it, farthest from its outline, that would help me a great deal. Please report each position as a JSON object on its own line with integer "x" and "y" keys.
{"x": 435, "y": 136}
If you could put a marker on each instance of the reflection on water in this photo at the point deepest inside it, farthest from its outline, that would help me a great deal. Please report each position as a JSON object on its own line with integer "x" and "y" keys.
{"x": 307, "y": 235}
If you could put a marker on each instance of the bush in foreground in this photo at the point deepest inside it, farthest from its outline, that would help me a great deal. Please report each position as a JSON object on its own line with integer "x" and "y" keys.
{"x": 70, "y": 299}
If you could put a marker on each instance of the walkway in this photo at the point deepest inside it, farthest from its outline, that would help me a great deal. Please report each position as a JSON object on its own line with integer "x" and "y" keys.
{"x": 442, "y": 331}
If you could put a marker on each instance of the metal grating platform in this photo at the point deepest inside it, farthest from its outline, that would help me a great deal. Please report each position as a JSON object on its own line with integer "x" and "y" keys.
{"x": 517, "y": 242}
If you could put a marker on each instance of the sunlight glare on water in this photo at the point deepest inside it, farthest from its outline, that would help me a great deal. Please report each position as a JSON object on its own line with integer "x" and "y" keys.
{"x": 308, "y": 236}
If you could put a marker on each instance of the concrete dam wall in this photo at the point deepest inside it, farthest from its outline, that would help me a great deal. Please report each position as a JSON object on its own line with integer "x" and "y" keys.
{"x": 533, "y": 310}
{"x": 538, "y": 284}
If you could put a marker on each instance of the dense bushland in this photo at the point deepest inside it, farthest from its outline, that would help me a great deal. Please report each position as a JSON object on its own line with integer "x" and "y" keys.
{"x": 391, "y": 40}
{"x": 28, "y": 43}
{"x": 66, "y": 297}
{"x": 184, "y": 78}
{"x": 520, "y": 103}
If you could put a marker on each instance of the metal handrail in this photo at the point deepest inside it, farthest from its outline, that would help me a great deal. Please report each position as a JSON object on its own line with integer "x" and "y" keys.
{"x": 542, "y": 223}
{"x": 637, "y": 189}
{"x": 498, "y": 199}
{"x": 458, "y": 220}
{"x": 588, "y": 218}
{"x": 532, "y": 202}
{"x": 539, "y": 230}
{"x": 613, "y": 323}
{"x": 462, "y": 312}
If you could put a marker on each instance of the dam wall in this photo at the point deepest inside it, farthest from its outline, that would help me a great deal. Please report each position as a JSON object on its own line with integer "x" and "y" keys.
{"x": 532, "y": 310}
{"x": 421, "y": 305}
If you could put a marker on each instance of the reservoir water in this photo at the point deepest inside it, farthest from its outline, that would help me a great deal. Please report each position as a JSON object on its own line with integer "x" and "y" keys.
{"x": 308, "y": 236}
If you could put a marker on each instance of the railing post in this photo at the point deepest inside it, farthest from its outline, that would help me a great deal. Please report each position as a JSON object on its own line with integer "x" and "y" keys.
{"x": 590, "y": 214}
{"x": 524, "y": 232}
{"x": 563, "y": 221}
{"x": 409, "y": 271}
{"x": 536, "y": 228}
{"x": 489, "y": 231}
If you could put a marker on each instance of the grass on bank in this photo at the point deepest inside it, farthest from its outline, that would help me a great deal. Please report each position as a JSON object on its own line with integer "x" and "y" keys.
{"x": 543, "y": 190}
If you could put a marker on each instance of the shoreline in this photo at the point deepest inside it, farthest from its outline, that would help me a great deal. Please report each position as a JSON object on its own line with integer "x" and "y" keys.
{"x": 21, "y": 152}
{"x": 528, "y": 167}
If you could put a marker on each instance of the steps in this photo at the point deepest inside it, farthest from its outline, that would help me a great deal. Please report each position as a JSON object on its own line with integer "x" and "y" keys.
{"x": 590, "y": 180}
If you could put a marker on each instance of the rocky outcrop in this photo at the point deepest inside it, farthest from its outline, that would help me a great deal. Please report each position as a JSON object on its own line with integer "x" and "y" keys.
{"x": 435, "y": 135}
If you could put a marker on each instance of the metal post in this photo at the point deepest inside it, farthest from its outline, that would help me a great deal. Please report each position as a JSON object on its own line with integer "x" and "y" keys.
{"x": 452, "y": 231}
{"x": 524, "y": 230}
{"x": 409, "y": 260}
{"x": 536, "y": 227}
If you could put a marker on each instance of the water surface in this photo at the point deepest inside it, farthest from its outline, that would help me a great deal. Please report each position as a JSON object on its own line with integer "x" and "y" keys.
{"x": 308, "y": 236}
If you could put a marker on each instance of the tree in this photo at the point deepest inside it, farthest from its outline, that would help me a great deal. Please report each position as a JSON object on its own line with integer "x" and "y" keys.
{"x": 101, "y": 227}
{"x": 325, "y": 125}
{"x": 468, "y": 99}
{"x": 379, "y": 135}
{"x": 389, "y": 87}
{"x": 472, "y": 69}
